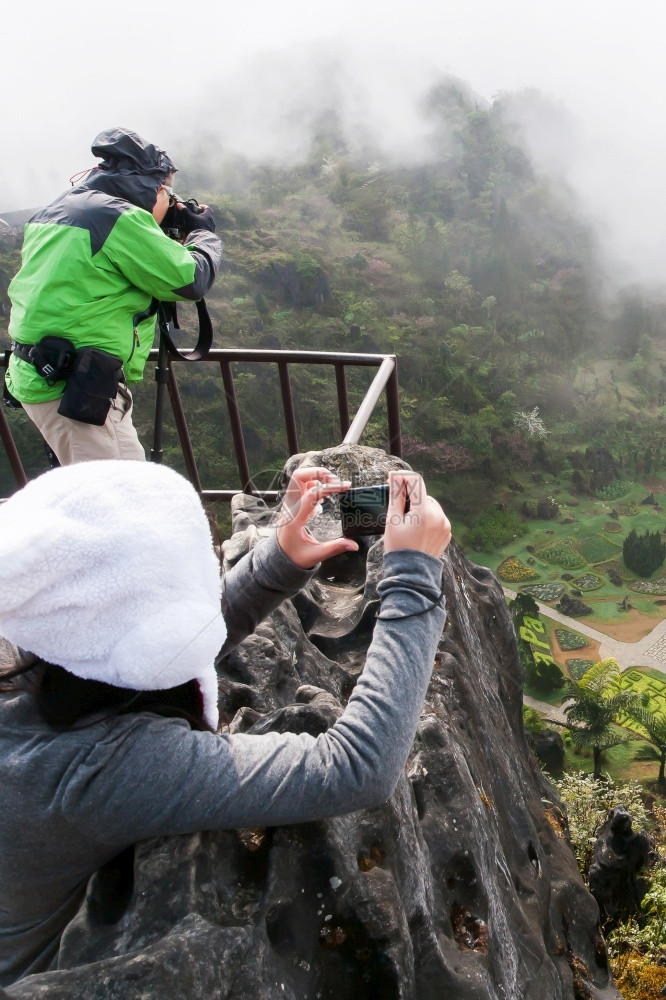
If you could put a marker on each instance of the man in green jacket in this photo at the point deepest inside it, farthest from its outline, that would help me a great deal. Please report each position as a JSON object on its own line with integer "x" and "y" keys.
{"x": 93, "y": 261}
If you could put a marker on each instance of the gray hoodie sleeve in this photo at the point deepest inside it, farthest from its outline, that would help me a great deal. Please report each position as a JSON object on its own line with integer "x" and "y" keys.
{"x": 256, "y": 585}
{"x": 206, "y": 248}
{"x": 151, "y": 777}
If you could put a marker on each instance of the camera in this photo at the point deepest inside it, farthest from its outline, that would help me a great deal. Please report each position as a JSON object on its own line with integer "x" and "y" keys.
{"x": 363, "y": 510}
{"x": 185, "y": 214}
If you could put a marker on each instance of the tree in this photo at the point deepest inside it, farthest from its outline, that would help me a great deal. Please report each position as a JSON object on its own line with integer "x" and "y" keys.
{"x": 653, "y": 747}
{"x": 595, "y": 705}
{"x": 643, "y": 553}
{"x": 530, "y": 424}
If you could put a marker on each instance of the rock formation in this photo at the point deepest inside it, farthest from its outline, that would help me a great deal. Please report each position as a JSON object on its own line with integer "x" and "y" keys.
{"x": 461, "y": 886}
{"x": 573, "y": 606}
{"x": 619, "y": 855}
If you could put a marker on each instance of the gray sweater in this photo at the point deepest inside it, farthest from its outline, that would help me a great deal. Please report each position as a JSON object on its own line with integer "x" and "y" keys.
{"x": 72, "y": 801}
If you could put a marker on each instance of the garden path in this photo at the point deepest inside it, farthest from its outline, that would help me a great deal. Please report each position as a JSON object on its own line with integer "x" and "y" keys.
{"x": 551, "y": 712}
{"x": 650, "y": 651}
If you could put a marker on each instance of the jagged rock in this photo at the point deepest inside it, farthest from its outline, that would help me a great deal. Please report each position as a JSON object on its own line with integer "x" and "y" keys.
{"x": 649, "y": 500}
{"x": 549, "y": 748}
{"x": 573, "y": 606}
{"x": 619, "y": 855}
{"x": 462, "y": 885}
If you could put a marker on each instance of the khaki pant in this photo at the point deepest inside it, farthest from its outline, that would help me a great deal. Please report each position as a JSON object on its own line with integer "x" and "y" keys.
{"x": 73, "y": 441}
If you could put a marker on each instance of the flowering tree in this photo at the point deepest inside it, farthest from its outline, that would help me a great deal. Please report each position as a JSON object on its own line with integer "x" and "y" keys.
{"x": 530, "y": 424}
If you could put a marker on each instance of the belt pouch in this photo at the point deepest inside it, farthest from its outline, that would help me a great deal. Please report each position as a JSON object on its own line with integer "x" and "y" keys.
{"x": 91, "y": 387}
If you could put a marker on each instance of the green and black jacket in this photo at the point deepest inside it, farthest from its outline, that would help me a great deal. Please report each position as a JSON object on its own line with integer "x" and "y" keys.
{"x": 93, "y": 260}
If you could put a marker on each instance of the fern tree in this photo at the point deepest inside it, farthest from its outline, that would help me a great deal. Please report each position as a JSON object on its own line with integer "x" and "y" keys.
{"x": 595, "y": 704}
{"x": 653, "y": 747}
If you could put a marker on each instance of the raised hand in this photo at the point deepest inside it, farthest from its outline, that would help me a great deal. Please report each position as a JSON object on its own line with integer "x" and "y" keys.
{"x": 307, "y": 487}
{"x": 419, "y": 524}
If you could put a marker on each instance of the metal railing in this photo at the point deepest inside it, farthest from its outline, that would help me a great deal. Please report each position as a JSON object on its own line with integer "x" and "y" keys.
{"x": 385, "y": 381}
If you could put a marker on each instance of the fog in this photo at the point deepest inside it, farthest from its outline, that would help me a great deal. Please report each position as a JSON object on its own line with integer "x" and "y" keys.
{"x": 256, "y": 75}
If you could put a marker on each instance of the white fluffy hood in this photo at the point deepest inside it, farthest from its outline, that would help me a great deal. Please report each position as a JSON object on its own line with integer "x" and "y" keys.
{"x": 108, "y": 569}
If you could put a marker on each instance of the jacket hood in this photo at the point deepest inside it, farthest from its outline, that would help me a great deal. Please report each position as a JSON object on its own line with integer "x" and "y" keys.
{"x": 131, "y": 168}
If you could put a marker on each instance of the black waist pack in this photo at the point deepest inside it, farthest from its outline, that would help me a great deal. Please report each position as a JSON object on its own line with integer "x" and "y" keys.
{"x": 91, "y": 387}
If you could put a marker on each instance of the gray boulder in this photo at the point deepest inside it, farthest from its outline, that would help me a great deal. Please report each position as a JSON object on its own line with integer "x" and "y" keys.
{"x": 462, "y": 885}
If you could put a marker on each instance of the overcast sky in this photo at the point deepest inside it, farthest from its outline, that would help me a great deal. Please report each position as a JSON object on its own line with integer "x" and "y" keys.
{"x": 249, "y": 70}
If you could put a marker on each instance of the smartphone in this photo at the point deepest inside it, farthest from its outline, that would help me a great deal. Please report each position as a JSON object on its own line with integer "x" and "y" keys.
{"x": 363, "y": 510}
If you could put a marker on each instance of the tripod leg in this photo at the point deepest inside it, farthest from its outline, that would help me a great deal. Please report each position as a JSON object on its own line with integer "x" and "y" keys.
{"x": 162, "y": 378}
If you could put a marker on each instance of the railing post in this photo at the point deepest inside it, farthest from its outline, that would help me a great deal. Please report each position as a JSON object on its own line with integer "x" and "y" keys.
{"x": 288, "y": 406}
{"x": 236, "y": 427}
{"x": 182, "y": 430}
{"x": 393, "y": 408}
{"x": 10, "y": 448}
{"x": 343, "y": 400}
{"x": 385, "y": 380}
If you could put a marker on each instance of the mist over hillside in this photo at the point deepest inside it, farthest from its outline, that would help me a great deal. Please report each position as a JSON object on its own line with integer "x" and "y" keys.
{"x": 448, "y": 244}
{"x": 261, "y": 99}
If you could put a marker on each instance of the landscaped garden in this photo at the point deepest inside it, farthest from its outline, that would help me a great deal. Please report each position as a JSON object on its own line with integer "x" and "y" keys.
{"x": 567, "y": 639}
{"x": 578, "y": 667}
{"x": 580, "y": 554}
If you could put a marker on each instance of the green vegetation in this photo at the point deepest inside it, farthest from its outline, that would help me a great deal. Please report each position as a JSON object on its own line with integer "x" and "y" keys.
{"x": 588, "y": 802}
{"x": 596, "y": 548}
{"x": 542, "y": 674}
{"x": 595, "y": 703}
{"x": 635, "y": 944}
{"x": 645, "y": 553}
{"x": 588, "y": 581}
{"x": 548, "y": 592}
{"x": 494, "y": 528}
{"x": 613, "y": 491}
{"x": 521, "y": 379}
{"x": 578, "y": 667}
{"x": 655, "y": 587}
{"x": 563, "y": 553}
{"x": 512, "y": 570}
{"x": 613, "y": 566}
{"x": 653, "y": 726}
{"x": 568, "y": 639}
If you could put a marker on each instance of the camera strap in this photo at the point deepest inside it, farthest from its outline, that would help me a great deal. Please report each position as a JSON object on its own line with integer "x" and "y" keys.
{"x": 168, "y": 319}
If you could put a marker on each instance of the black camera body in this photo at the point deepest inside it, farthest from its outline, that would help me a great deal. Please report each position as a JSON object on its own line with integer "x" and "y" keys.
{"x": 185, "y": 214}
{"x": 363, "y": 510}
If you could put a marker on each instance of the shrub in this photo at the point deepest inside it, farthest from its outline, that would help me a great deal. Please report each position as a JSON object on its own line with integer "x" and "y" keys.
{"x": 563, "y": 553}
{"x": 588, "y": 801}
{"x": 495, "y": 528}
{"x": 614, "y": 490}
{"x": 656, "y": 588}
{"x": 544, "y": 591}
{"x": 589, "y": 581}
{"x": 514, "y": 571}
{"x": 533, "y": 721}
{"x": 613, "y": 566}
{"x": 644, "y": 553}
{"x": 544, "y": 677}
{"x": 595, "y": 548}
{"x": 638, "y": 977}
{"x": 577, "y": 668}
{"x": 568, "y": 639}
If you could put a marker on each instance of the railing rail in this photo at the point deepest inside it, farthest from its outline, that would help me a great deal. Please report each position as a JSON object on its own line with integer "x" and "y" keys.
{"x": 385, "y": 381}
